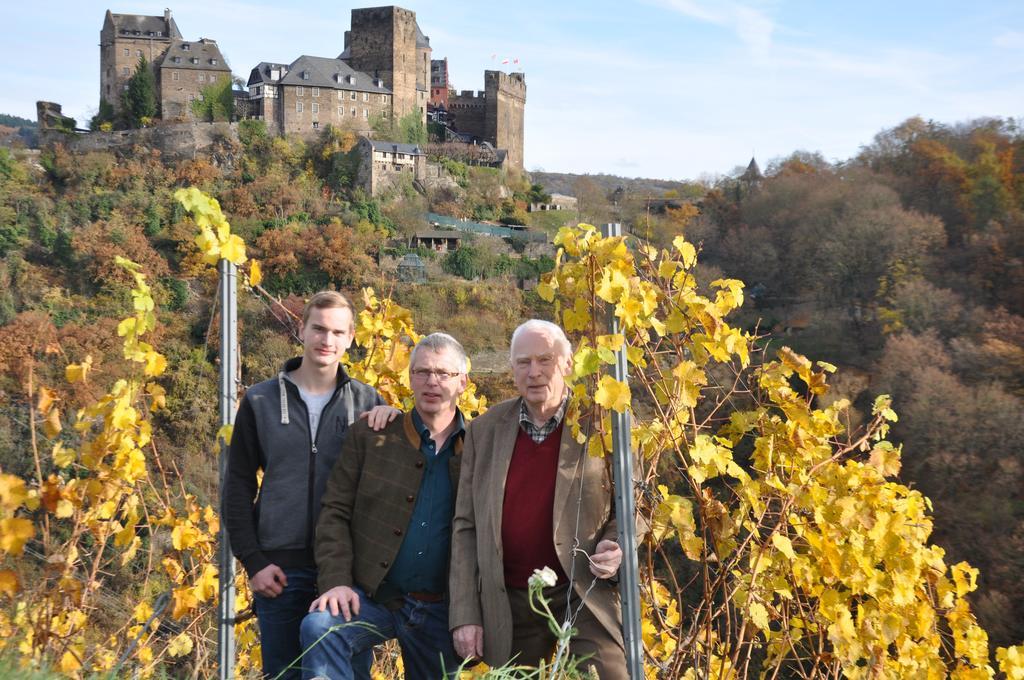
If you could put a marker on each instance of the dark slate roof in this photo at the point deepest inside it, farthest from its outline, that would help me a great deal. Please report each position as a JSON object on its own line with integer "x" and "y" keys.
{"x": 324, "y": 72}
{"x": 137, "y": 25}
{"x": 752, "y": 172}
{"x": 261, "y": 74}
{"x": 197, "y": 55}
{"x": 395, "y": 147}
{"x": 439, "y": 233}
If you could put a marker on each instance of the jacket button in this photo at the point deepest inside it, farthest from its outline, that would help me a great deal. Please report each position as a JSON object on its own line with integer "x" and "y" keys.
{"x": 410, "y": 498}
{"x": 384, "y": 564}
{"x": 398, "y": 532}
{"x": 419, "y": 463}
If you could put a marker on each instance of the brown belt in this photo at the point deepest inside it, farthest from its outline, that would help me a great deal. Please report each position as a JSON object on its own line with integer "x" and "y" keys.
{"x": 426, "y": 597}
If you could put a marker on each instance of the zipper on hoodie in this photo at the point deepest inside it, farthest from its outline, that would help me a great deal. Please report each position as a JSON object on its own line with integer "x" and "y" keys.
{"x": 310, "y": 524}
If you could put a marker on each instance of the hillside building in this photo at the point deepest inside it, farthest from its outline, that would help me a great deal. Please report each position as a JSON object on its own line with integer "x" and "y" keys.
{"x": 181, "y": 68}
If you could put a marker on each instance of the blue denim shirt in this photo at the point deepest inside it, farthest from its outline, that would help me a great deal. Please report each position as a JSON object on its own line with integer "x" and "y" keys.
{"x": 422, "y": 562}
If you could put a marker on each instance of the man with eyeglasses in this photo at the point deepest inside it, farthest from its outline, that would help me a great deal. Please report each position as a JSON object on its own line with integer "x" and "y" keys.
{"x": 530, "y": 497}
{"x": 382, "y": 541}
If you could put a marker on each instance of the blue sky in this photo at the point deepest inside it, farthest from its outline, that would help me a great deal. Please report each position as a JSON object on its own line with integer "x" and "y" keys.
{"x": 674, "y": 89}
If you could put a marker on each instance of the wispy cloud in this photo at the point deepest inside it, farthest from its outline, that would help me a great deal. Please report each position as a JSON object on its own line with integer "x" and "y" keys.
{"x": 1012, "y": 40}
{"x": 751, "y": 25}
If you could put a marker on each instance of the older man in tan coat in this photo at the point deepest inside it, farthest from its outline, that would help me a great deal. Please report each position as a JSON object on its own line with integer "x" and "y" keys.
{"x": 530, "y": 497}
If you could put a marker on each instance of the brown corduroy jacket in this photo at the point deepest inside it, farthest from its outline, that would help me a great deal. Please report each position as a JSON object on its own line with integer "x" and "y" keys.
{"x": 368, "y": 503}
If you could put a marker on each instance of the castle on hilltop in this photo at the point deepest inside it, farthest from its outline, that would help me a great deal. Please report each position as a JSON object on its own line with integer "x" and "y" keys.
{"x": 384, "y": 70}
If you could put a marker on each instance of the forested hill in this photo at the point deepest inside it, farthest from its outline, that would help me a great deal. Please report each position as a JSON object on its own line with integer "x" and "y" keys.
{"x": 903, "y": 266}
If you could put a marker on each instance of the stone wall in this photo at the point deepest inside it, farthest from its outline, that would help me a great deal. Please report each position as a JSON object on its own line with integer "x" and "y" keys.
{"x": 506, "y": 107}
{"x": 175, "y": 141}
{"x": 180, "y": 86}
{"x": 469, "y": 112}
{"x": 333, "y": 107}
{"x": 382, "y": 42}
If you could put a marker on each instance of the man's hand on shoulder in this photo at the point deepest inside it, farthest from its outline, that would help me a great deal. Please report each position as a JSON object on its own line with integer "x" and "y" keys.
{"x": 606, "y": 559}
{"x": 269, "y": 581}
{"x": 469, "y": 641}
{"x": 379, "y": 416}
{"x": 339, "y": 599}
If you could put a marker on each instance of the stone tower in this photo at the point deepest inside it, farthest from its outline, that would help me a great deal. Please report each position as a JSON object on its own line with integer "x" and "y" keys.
{"x": 124, "y": 39}
{"x": 386, "y": 43}
{"x": 504, "y": 112}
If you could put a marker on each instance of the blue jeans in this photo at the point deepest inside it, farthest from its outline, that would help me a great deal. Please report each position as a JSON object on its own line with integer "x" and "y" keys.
{"x": 421, "y": 629}
{"x": 279, "y": 620}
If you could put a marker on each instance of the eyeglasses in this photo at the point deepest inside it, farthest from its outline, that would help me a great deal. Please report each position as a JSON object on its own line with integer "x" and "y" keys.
{"x": 425, "y": 373}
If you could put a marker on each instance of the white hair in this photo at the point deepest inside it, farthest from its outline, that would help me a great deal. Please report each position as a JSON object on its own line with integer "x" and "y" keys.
{"x": 437, "y": 342}
{"x": 549, "y": 329}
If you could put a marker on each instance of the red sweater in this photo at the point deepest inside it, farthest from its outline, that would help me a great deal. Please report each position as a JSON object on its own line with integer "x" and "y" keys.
{"x": 527, "y": 533}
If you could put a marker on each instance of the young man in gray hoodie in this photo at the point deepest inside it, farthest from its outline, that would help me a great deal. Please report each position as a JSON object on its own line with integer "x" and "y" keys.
{"x": 291, "y": 428}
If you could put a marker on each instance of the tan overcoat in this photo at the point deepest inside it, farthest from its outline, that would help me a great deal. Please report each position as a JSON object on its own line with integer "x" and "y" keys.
{"x": 583, "y": 509}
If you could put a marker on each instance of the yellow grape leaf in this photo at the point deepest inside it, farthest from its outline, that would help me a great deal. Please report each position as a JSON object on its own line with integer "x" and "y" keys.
{"x": 685, "y": 249}
{"x": 52, "y": 426}
{"x": 9, "y": 583}
{"x": 758, "y": 615}
{"x": 255, "y": 273}
{"x": 12, "y": 491}
{"x": 233, "y": 250}
{"x": 225, "y": 432}
{"x": 65, "y": 508}
{"x": 612, "y": 394}
{"x": 885, "y": 459}
{"x": 46, "y": 399}
{"x": 62, "y": 457}
{"x": 184, "y": 536}
{"x": 70, "y": 662}
{"x": 586, "y": 362}
{"x": 1011, "y": 661}
{"x": 205, "y": 588}
{"x": 783, "y": 545}
{"x": 156, "y": 364}
{"x": 965, "y": 577}
{"x": 159, "y": 397}
{"x": 546, "y": 291}
{"x": 180, "y": 645}
{"x": 612, "y": 286}
{"x": 142, "y": 612}
{"x": 126, "y": 327}
{"x": 78, "y": 372}
{"x": 14, "y": 533}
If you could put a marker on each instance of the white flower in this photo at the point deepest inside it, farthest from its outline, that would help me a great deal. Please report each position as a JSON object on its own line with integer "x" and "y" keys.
{"x": 545, "y": 577}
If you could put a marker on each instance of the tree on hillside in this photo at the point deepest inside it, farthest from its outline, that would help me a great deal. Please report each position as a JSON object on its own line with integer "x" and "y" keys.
{"x": 216, "y": 102}
{"x": 138, "y": 101}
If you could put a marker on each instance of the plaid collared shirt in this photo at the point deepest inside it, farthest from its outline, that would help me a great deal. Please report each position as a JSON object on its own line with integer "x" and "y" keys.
{"x": 539, "y": 434}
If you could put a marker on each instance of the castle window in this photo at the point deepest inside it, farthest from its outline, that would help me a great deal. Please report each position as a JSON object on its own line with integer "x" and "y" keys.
{"x": 174, "y": 75}
{"x": 305, "y": 75}
{"x": 316, "y": 125}
{"x": 300, "y": 91}
{"x": 353, "y": 113}
{"x": 298, "y": 107}
{"x": 138, "y": 53}
{"x": 202, "y": 77}
{"x": 185, "y": 46}
{"x": 125, "y": 71}
{"x": 316, "y": 91}
{"x": 351, "y": 80}
{"x": 353, "y": 97}
{"x": 366, "y": 114}
{"x": 316, "y": 108}
{"x": 366, "y": 96}
{"x": 127, "y": 52}
{"x": 213, "y": 61}
{"x": 159, "y": 34}
{"x": 341, "y": 111}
